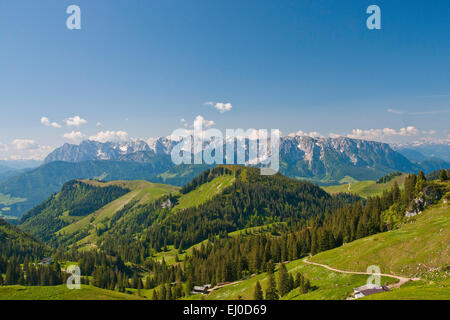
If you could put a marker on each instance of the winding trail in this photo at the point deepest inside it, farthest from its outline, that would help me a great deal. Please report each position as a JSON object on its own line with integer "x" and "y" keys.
{"x": 402, "y": 280}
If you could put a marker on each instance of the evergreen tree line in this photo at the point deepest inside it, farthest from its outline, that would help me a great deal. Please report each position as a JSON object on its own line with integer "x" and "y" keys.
{"x": 29, "y": 273}
{"x": 16, "y": 243}
{"x": 249, "y": 202}
{"x": 77, "y": 198}
{"x": 286, "y": 283}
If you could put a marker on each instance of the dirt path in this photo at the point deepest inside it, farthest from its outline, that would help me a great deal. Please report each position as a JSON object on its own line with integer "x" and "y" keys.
{"x": 229, "y": 284}
{"x": 402, "y": 280}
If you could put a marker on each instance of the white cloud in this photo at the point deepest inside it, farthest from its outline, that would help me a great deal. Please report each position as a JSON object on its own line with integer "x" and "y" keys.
{"x": 432, "y": 140}
{"x": 335, "y": 135}
{"x": 408, "y": 131}
{"x": 395, "y": 111}
{"x": 26, "y": 149}
{"x": 75, "y": 121}
{"x": 22, "y": 144}
{"x": 114, "y": 136}
{"x": 36, "y": 153}
{"x": 183, "y": 121}
{"x": 74, "y": 136}
{"x": 222, "y": 107}
{"x": 431, "y": 112}
{"x": 200, "y": 121}
{"x": 200, "y": 124}
{"x": 312, "y": 134}
{"x": 385, "y": 135}
{"x": 380, "y": 134}
{"x": 401, "y": 136}
{"x": 46, "y": 122}
{"x": 98, "y": 124}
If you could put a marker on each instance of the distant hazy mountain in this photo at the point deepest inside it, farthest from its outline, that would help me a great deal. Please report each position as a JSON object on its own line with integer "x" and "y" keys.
{"x": 4, "y": 168}
{"x": 425, "y": 151}
{"x": 428, "y": 157}
{"x": 31, "y": 187}
{"x": 20, "y": 164}
{"x": 412, "y": 155}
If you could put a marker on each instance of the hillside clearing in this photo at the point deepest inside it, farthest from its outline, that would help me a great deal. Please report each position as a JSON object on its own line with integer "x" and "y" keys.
{"x": 366, "y": 189}
{"x": 205, "y": 192}
{"x": 415, "y": 249}
{"x": 142, "y": 192}
{"x": 326, "y": 285}
{"x": 61, "y": 292}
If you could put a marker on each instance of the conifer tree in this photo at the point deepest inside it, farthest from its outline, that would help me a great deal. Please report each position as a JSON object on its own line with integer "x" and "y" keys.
{"x": 258, "y": 294}
{"x": 283, "y": 280}
{"x": 443, "y": 175}
{"x": 272, "y": 292}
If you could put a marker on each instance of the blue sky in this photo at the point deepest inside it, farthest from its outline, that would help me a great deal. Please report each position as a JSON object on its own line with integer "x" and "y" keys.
{"x": 138, "y": 67}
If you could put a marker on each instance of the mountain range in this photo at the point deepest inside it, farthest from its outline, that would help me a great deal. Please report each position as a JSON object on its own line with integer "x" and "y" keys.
{"x": 322, "y": 160}
{"x": 421, "y": 152}
{"x": 326, "y": 161}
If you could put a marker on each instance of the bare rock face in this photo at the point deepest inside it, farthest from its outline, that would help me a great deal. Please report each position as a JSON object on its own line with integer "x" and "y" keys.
{"x": 94, "y": 150}
{"x": 327, "y": 159}
{"x": 336, "y": 158}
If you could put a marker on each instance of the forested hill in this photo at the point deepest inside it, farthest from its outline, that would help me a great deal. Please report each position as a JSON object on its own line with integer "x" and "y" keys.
{"x": 76, "y": 199}
{"x": 18, "y": 244}
{"x": 208, "y": 208}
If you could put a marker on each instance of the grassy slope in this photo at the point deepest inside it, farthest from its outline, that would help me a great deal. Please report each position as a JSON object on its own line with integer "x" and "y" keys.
{"x": 421, "y": 290}
{"x": 62, "y": 293}
{"x": 193, "y": 199}
{"x": 327, "y": 285}
{"x": 205, "y": 192}
{"x": 141, "y": 191}
{"x": 414, "y": 249}
{"x": 366, "y": 188}
{"x": 417, "y": 249}
{"x": 144, "y": 192}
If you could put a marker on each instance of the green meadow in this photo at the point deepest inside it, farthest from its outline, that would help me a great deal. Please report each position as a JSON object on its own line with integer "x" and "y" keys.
{"x": 365, "y": 189}
{"x": 61, "y": 292}
{"x": 205, "y": 192}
